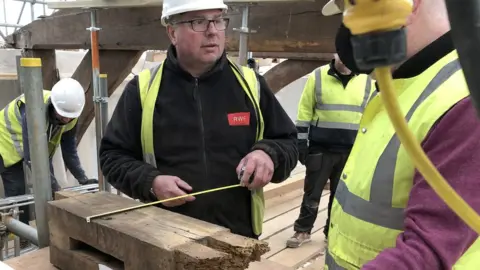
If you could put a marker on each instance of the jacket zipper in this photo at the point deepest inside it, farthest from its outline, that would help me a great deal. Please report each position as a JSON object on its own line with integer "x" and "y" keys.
{"x": 196, "y": 96}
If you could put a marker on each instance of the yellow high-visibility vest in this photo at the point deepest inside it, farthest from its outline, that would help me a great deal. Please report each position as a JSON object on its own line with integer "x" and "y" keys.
{"x": 149, "y": 81}
{"x": 368, "y": 211}
{"x": 326, "y": 104}
{"x": 11, "y": 140}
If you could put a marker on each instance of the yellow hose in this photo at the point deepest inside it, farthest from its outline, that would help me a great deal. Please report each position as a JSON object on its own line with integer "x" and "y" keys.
{"x": 418, "y": 156}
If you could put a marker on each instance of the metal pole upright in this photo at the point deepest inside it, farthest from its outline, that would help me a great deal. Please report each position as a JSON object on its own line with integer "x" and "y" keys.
{"x": 243, "y": 46}
{"x": 101, "y": 119}
{"x": 96, "y": 84}
{"x": 30, "y": 78}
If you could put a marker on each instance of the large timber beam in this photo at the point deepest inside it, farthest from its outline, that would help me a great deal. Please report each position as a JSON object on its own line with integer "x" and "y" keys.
{"x": 49, "y": 66}
{"x": 289, "y": 71}
{"x": 117, "y": 65}
{"x": 281, "y": 27}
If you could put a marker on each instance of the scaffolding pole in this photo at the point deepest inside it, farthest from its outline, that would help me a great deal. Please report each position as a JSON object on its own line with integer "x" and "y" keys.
{"x": 243, "y": 41}
{"x": 23, "y": 230}
{"x": 101, "y": 119}
{"x": 96, "y": 86}
{"x": 30, "y": 78}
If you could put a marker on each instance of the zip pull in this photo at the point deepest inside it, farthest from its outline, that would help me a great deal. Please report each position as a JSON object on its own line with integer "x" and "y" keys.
{"x": 195, "y": 89}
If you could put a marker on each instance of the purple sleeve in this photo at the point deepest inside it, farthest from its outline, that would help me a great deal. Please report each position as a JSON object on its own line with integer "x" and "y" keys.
{"x": 434, "y": 237}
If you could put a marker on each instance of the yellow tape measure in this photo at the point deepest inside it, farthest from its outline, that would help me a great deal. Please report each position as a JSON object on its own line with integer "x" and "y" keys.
{"x": 158, "y": 202}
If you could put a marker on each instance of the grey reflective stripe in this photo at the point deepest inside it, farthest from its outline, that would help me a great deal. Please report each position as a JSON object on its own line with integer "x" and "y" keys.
{"x": 299, "y": 123}
{"x": 257, "y": 85}
{"x": 318, "y": 85}
{"x": 331, "y": 263}
{"x": 13, "y": 135}
{"x": 382, "y": 182}
{"x": 378, "y": 210}
{"x": 375, "y": 93}
{"x": 302, "y": 136}
{"x": 339, "y": 107}
{"x": 150, "y": 159}
{"x": 378, "y": 214}
{"x": 368, "y": 89}
{"x": 153, "y": 72}
{"x": 325, "y": 124}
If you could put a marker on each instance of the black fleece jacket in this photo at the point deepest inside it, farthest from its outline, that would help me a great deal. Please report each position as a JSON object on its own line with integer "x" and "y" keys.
{"x": 194, "y": 141}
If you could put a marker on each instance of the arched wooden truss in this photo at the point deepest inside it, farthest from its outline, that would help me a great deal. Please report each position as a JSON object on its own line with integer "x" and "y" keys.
{"x": 296, "y": 31}
{"x": 289, "y": 71}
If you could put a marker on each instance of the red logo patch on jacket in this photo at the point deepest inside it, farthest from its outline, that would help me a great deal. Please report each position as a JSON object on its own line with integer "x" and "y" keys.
{"x": 239, "y": 119}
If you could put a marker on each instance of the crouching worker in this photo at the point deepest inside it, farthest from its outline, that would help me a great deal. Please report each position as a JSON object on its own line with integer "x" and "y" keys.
{"x": 64, "y": 104}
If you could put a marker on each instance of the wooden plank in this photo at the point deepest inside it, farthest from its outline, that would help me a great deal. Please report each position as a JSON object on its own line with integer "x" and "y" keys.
{"x": 117, "y": 65}
{"x": 63, "y": 194}
{"x": 286, "y": 220}
{"x": 317, "y": 264}
{"x": 279, "y": 205}
{"x": 274, "y": 190}
{"x": 285, "y": 27}
{"x": 144, "y": 238}
{"x": 296, "y": 257}
{"x": 268, "y": 265}
{"x": 35, "y": 260}
{"x": 277, "y": 242}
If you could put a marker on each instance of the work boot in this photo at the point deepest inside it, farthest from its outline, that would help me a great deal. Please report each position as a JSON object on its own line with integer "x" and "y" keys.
{"x": 298, "y": 239}
{"x": 24, "y": 243}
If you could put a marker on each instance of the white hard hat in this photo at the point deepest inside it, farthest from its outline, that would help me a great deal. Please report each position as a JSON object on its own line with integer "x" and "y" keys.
{"x": 331, "y": 8}
{"x": 68, "y": 98}
{"x": 174, "y": 7}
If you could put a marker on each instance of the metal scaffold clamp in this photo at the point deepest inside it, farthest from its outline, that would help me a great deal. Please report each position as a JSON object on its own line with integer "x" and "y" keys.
{"x": 243, "y": 41}
{"x": 93, "y": 29}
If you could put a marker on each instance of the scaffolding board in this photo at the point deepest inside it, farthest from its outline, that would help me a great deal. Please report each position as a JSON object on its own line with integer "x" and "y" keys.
{"x": 142, "y": 3}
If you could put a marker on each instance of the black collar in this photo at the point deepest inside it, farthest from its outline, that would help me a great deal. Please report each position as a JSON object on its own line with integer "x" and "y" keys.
{"x": 425, "y": 58}
{"x": 171, "y": 62}
{"x": 339, "y": 76}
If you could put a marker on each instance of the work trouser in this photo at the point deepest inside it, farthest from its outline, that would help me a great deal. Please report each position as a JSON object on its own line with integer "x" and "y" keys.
{"x": 320, "y": 167}
{"x": 14, "y": 184}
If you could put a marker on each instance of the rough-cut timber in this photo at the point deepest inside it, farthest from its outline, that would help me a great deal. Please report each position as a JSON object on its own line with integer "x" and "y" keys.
{"x": 49, "y": 66}
{"x": 116, "y": 64}
{"x": 297, "y": 27}
{"x": 288, "y": 71}
{"x": 147, "y": 238}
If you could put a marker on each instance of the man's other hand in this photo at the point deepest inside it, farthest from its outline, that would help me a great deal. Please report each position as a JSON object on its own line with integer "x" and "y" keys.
{"x": 87, "y": 181}
{"x": 256, "y": 165}
{"x": 167, "y": 186}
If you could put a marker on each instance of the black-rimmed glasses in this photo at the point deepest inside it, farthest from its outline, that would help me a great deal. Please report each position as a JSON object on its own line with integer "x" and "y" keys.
{"x": 201, "y": 25}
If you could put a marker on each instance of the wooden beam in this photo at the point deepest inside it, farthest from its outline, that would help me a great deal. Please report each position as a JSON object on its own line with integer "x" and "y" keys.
{"x": 289, "y": 71}
{"x": 137, "y": 3}
{"x": 147, "y": 238}
{"x": 49, "y": 66}
{"x": 281, "y": 27}
{"x": 290, "y": 55}
{"x": 117, "y": 65}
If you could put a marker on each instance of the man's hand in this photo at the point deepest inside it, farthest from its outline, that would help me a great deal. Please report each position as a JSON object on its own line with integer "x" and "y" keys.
{"x": 167, "y": 186}
{"x": 257, "y": 165}
{"x": 87, "y": 181}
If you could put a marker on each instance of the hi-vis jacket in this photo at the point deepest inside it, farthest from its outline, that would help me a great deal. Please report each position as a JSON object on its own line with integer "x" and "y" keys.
{"x": 149, "y": 82}
{"x": 11, "y": 132}
{"x": 168, "y": 122}
{"x": 368, "y": 210}
{"x": 328, "y": 112}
